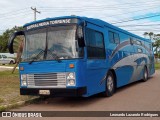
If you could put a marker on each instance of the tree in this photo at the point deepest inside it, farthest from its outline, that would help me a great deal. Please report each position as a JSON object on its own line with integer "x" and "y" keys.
{"x": 145, "y": 34}
{"x": 156, "y": 44}
{"x": 5, "y": 37}
{"x": 156, "y": 41}
{"x": 150, "y": 34}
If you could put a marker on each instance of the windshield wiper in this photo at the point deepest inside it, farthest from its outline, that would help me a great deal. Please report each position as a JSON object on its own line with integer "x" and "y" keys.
{"x": 55, "y": 56}
{"x": 37, "y": 56}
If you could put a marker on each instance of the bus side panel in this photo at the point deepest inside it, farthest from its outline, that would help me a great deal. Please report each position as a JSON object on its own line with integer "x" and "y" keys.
{"x": 121, "y": 62}
{"x": 123, "y": 74}
{"x": 95, "y": 68}
{"x": 90, "y": 76}
{"x": 150, "y": 66}
{"x": 140, "y": 61}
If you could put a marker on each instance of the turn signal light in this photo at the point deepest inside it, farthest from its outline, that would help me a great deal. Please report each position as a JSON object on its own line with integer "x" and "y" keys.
{"x": 21, "y": 68}
{"x": 71, "y": 65}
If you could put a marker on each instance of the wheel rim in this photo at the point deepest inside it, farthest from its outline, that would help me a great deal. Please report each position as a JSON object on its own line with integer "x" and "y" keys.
{"x": 145, "y": 74}
{"x": 110, "y": 83}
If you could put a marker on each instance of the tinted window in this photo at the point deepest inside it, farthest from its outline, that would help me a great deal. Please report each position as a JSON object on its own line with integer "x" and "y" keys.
{"x": 90, "y": 36}
{"x": 95, "y": 44}
{"x": 99, "y": 40}
{"x": 139, "y": 42}
{"x": 114, "y": 37}
{"x": 111, "y": 37}
{"x": 140, "y": 50}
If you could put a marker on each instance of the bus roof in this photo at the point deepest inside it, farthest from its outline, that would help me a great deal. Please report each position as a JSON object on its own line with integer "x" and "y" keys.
{"x": 91, "y": 20}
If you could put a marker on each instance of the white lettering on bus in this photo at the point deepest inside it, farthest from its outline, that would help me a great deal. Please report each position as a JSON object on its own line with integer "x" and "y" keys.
{"x": 60, "y": 21}
{"x": 48, "y": 23}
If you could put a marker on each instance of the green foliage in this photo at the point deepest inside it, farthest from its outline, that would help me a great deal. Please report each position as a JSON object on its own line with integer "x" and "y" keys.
{"x": 2, "y": 108}
{"x": 157, "y": 66}
{"x": 156, "y": 43}
{"x": 5, "y": 37}
{"x": 150, "y": 35}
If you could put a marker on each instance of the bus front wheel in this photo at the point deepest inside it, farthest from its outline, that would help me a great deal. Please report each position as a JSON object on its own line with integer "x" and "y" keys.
{"x": 110, "y": 85}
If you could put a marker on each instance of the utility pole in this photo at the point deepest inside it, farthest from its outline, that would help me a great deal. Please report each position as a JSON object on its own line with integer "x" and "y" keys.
{"x": 35, "y": 11}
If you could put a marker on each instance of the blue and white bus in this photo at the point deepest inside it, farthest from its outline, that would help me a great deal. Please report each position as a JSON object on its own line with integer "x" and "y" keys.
{"x": 80, "y": 56}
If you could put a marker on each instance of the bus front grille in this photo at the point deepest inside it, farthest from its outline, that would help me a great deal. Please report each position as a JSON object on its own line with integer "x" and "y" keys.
{"x": 56, "y": 80}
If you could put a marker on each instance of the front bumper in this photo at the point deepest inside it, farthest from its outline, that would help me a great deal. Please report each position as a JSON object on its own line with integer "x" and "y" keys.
{"x": 57, "y": 92}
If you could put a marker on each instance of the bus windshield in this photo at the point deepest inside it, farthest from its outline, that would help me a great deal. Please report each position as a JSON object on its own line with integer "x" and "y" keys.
{"x": 50, "y": 43}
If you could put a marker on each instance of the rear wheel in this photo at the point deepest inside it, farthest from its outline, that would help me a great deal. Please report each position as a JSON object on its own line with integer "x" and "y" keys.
{"x": 145, "y": 74}
{"x": 11, "y": 62}
{"x": 110, "y": 85}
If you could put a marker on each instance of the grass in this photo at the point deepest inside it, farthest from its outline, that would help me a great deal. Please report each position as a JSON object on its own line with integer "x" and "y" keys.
{"x": 1, "y": 100}
{"x": 157, "y": 66}
{"x": 9, "y": 89}
{"x": 10, "y": 65}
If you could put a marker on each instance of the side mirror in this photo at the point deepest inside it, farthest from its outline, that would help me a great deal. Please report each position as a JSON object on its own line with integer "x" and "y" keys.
{"x": 80, "y": 36}
{"x": 11, "y": 40}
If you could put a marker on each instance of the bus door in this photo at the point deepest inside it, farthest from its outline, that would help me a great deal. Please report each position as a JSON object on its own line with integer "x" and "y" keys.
{"x": 96, "y": 57}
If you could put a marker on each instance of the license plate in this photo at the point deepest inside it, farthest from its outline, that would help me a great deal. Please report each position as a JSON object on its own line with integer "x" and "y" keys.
{"x": 44, "y": 92}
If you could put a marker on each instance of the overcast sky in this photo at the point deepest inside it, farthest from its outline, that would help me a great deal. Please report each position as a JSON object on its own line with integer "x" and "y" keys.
{"x": 18, "y": 12}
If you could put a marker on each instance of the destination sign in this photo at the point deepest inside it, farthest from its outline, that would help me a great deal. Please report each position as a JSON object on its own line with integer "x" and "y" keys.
{"x": 52, "y": 22}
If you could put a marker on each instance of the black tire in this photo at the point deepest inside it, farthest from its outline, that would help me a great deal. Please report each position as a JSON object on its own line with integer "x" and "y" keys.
{"x": 11, "y": 62}
{"x": 145, "y": 74}
{"x": 110, "y": 85}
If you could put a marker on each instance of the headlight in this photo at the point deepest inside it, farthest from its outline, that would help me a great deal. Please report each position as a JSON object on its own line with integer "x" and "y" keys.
{"x": 71, "y": 76}
{"x": 71, "y": 81}
{"x": 23, "y": 83}
{"x": 23, "y": 77}
{"x": 24, "y": 80}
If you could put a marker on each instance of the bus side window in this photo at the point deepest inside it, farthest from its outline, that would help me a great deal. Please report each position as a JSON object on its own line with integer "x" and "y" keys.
{"x": 111, "y": 37}
{"x": 139, "y": 42}
{"x": 140, "y": 50}
{"x": 95, "y": 44}
{"x": 116, "y": 38}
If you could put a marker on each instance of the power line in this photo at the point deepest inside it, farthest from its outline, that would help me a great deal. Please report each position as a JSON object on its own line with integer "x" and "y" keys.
{"x": 134, "y": 11}
{"x": 97, "y": 6}
{"x": 14, "y": 12}
{"x": 135, "y": 25}
{"x": 136, "y": 19}
{"x": 143, "y": 29}
{"x": 81, "y": 9}
{"x": 13, "y": 16}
